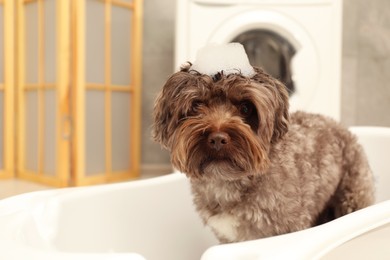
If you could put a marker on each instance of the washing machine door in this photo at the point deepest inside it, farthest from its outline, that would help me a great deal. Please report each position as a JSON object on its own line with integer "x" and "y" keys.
{"x": 272, "y": 40}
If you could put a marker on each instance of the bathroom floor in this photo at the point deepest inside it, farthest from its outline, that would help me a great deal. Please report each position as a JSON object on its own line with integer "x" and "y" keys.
{"x": 12, "y": 187}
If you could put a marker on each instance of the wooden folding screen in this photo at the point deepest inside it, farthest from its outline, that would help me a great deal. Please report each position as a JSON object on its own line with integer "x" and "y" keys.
{"x": 79, "y": 90}
{"x": 43, "y": 84}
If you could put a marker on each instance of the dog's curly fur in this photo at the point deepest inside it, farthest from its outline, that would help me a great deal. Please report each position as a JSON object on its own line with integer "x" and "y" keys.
{"x": 255, "y": 170}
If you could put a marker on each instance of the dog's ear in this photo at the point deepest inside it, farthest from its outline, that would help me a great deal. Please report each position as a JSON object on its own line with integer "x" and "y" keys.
{"x": 280, "y": 103}
{"x": 282, "y": 115}
{"x": 161, "y": 115}
{"x": 167, "y": 107}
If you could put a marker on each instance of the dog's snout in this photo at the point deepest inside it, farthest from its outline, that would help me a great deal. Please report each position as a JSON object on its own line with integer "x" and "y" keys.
{"x": 217, "y": 140}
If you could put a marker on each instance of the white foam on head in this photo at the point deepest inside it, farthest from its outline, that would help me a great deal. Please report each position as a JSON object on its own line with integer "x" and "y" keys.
{"x": 225, "y": 58}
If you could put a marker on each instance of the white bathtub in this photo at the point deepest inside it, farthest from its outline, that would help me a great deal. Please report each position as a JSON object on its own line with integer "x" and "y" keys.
{"x": 155, "y": 219}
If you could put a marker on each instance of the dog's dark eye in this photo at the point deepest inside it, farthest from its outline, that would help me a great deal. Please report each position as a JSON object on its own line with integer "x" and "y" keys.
{"x": 248, "y": 112}
{"x": 195, "y": 106}
{"x": 246, "y": 109}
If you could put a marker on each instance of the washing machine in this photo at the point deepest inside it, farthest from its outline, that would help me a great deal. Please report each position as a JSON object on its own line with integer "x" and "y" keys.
{"x": 296, "y": 41}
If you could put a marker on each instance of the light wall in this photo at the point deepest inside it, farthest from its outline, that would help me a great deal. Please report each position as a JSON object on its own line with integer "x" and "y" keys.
{"x": 365, "y": 69}
{"x": 366, "y": 63}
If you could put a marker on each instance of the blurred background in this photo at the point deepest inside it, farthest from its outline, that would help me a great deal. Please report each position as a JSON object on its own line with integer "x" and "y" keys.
{"x": 365, "y": 73}
{"x": 79, "y": 79}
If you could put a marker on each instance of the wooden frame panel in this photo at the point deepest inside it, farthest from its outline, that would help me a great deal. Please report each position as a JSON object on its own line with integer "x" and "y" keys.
{"x": 78, "y": 91}
{"x": 136, "y": 86}
{"x": 8, "y": 90}
{"x": 61, "y": 87}
{"x": 81, "y": 86}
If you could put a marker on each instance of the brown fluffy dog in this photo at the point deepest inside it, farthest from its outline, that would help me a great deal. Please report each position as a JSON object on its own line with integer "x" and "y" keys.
{"x": 255, "y": 170}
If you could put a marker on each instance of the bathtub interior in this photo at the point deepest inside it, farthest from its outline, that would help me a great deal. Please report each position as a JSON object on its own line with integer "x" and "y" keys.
{"x": 373, "y": 244}
{"x": 156, "y": 219}
{"x": 376, "y": 144}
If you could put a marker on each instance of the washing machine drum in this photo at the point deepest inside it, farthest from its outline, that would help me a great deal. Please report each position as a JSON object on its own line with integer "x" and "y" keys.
{"x": 270, "y": 51}
{"x": 278, "y": 44}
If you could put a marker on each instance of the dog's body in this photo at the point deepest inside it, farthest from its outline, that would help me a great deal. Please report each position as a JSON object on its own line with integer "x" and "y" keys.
{"x": 255, "y": 170}
{"x": 316, "y": 173}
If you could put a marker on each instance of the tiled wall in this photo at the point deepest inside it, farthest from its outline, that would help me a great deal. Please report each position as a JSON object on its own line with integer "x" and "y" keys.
{"x": 365, "y": 71}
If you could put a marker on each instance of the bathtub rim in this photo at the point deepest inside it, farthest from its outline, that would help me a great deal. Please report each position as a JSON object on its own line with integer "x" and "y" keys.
{"x": 312, "y": 243}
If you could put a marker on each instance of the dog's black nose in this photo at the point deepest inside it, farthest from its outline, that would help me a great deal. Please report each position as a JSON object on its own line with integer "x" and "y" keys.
{"x": 217, "y": 140}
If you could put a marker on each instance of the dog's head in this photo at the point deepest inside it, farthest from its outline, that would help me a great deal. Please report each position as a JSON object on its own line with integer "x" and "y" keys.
{"x": 221, "y": 126}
